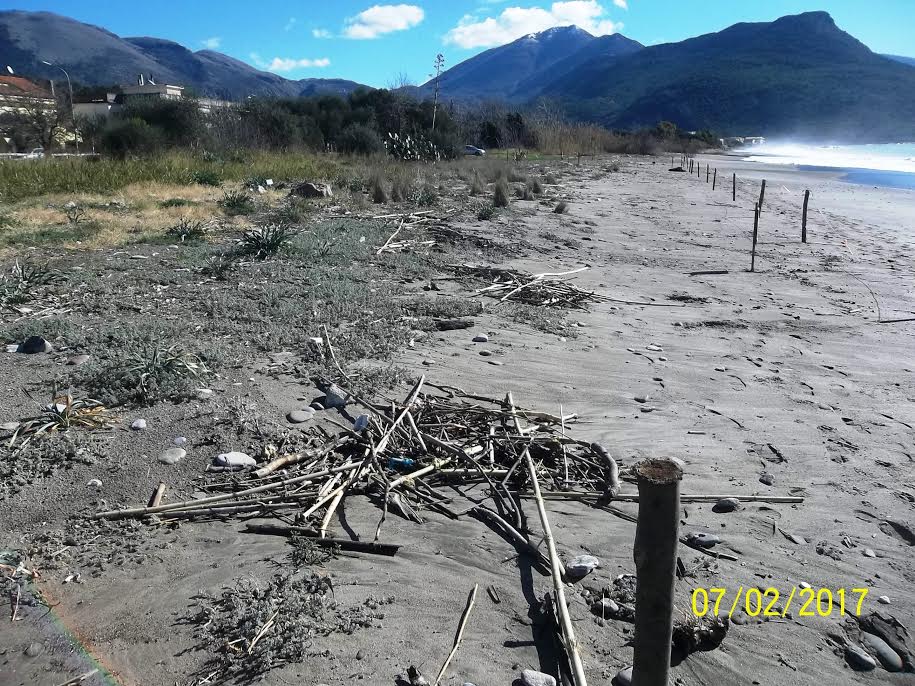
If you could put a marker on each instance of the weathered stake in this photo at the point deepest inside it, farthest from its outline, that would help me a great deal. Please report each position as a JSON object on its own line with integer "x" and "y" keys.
{"x": 762, "y": 195}
{"x": 655, "y": 555}
{"x": 715, "y": 178}
{"x": 755, "y": 234}
{"x": 804, "y": 217}
{"x": 734, "y": 187}
{"x": 707, "y": 172}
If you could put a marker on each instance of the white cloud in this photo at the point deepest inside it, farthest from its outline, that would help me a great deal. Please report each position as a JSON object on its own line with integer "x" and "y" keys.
{"x": 514, "y": 22}
{"x": 284, "y": 64}
{"x": 381, "y": 19}
{"x": 290, "y": 24}
{"x": 320, "y": 33}
{"x": 622, "y": 4}
{"x": 211, "y": 43}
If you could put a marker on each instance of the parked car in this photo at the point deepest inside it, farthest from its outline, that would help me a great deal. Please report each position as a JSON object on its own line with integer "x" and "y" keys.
{"x": 36, "y": 153}
{"x": 473, "y": 150}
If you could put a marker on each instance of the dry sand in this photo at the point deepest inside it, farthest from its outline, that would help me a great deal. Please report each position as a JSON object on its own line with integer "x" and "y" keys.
{"x": 804, "y": 383}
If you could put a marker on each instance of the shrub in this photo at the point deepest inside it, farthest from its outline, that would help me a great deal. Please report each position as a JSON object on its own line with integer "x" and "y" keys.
{"x": 535, "y": 186}
{"x": 123, "y": 137}
{"x": 219, "y": 265}
{"x": 476, "y": 184}
{"x": 263, "y": 241}
{"x": 379, "y": 193}
{"x": 206, "y": 177}
{"x": 359, "y": 139}
{"x": 427, "y": 196}
{"x": 486, "y": 212}
{"x": 186, "y": 230}
{"x": 562, "y": 207}
{"x": 500, "y": 194}
{"x": 524, "y": 192}
{"x": 175, "y": 202}
{"x": 236, "y": 202}
{"x": 402, "y": 186}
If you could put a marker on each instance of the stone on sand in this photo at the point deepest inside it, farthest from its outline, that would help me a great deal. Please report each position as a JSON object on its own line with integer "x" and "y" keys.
{"x": 726, "y": 505}
{"x": 334, "y": 396}
{"x": 531, "y": 677}
{"x": 172, "y": 455}
{"x": 858, "y": 658}
{"x": 9, "y": 426}
{"x": 234, "y": 460}
{"x": 77, "y": 360}
{"x": 299, "y": 416}
{"x": 888, "y": 657}
{"x": 481, "y": 338}
{"x": 623, "y": 677}
{"x": 35, "y": 344}
{"x": 138, "y": 424}
{"x": 703, "y": 540}
{"x": 581, "y": 565}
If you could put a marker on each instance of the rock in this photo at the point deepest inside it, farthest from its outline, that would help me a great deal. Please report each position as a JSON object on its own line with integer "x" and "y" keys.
{"x": 804, "y": 584}
{"x": 641, "y": 398}
{"x": 530, "y": 677}
{"x": 581, "y": 565}
{"x": 726, "y": 505}
{"x": 77, "y": 360}
{"x": 605, "y": 607}
{"x": 334, "y": 396}
{"x": 884, "y": 599}
{"x": 766, "y": 478}
{"x": 94, "y": 483}
{"x": 857, "y": 658}
{"x": 179, "y": 441}
{"x": 888, "y": 657}
{"x": 428, "y": 363}
{"x": 234, "y": 460}
{"x": 481, "y": 338}
{"x": 316, "y": 406}
{"x": 486, "y": 353}
{"x": 361, "y": 423}
{"x": 299, "y": 416}
{"x": 204, "y": 393}
{"x": 34, "y": 344}
{"x": 138, "y": 424}
{"x": 360, "y": 654}
{"x": 495, "y": 363}
{"x": 34, "y": 650}
{"x": 172, "y": 455}
{"x": 312, "y": 190}
{"x": 702, "y": 540}
{"x": 9, "y": 426}
{"x": 654, "y": 348}
{"x": 12, "y": 348}
{"x": 869, "y": 553}
{"x": 623, "y": 677}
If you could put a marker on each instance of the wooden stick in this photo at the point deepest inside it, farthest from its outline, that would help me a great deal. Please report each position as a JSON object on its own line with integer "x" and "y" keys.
{"x": 707, "y": 272}
{"x": 804, "y": 217}
{"x": 79, "y": 679}
{"x": 706, "y": 172}
{"x": 143, "y": 511}
{"x": 762, "y": 195}
{"x": 755, "y": 233}
{"x": 156, "y": 498}
{"x": 390, "y": 238}
{"x": 327, "y": 542}
{"x": 330, "y": 513}
{"x": 515, "y": 535}
{"x": 460, "y": 634}
{"x": 734, "y": 187}
{"x": 568, "y": 632}
{"x": 655, "y": 555}
{"x": 715, "y": 178}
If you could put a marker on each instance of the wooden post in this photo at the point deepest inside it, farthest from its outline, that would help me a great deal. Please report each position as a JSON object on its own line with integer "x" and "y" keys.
{"x": 707, "y": 172}
{"x": 734, "y": 187}
{"x": 762, "y": 195}
{"x": 755, "y": 234}
{"x": 655, "y": 555}
{"x": 698, "y": 170}
{"x": 804, "y": 217}
{"x": 715, "y": 178}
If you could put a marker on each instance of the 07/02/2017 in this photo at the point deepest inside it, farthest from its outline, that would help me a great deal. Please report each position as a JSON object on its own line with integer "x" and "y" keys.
{"x": 814, "y": 602}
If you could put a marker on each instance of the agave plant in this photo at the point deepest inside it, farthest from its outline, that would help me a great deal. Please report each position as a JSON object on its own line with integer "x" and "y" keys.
{"x": 156, "y": 364}
{"x": 62, "y": 413}
{"x": 263, "y": 241}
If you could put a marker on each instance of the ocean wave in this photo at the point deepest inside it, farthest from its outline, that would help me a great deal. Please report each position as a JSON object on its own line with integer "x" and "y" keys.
{"x": 898, "y": 157}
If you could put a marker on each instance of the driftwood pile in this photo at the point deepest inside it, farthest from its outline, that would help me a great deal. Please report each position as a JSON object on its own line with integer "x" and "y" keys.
{"x": 531, "y": 289}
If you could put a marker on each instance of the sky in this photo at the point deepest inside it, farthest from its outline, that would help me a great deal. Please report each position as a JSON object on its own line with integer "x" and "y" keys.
{"x": 383, "y": 44}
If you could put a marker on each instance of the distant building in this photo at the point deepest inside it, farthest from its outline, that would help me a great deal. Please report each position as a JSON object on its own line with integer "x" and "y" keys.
{"x": 147, "y": 88}
{"x": 741, "y": 141}
{"x": 17, "y": 93}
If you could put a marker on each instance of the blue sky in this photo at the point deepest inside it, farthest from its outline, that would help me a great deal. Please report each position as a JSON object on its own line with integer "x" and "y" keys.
{"x": 374, "y": 43}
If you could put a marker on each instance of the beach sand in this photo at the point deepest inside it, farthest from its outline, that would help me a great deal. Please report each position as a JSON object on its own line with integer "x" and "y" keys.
{"x": 784, "y": 371}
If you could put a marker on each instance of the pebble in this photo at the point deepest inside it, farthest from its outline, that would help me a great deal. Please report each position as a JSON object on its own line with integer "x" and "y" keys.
{"x": 530, "y": 677}
{"x": 334, "y": 396}
{"x": 857, "y": 658}
{"x": 869, "y": 553}
{"x": 234, "y": 460}
{"x": 884, "y": 599}
{"x": 360, "y": 654}
{"x": 172, "y": 455}
{"x": 623, "y": 677}
{"x": 138, "y": 424}
{"x": 481, "y": 338}
{"x": 605, "y": 607}
{"x": 766, "y": 478}
{"x": 485, "y": 353}
{"x": 34, "y": 650}
{"x": 662, "y": 359}
{"x": 94, "y": 483}
{"x": 654, "y": 348}
{"x": 428, "y": 363}
{"x": 888, "y": 657}
{"x": 726, "y": 505}
{"x": 495, "y": 363}
{"x": 34, "y": 344}
{"x": 299, "y": 416}
{"x": 204, "y": 393}
{"x": 361, "y": 423}
{"x": 804, "y": 585}
{"x": 77, "y": 360}
{"x": 179, "y": 441}
{"x": 316, "y": 406}
{"x": 703, "y": 540}
{"x": 9, "y": 426}
{"x": 641, "y": 398}
{"x": 580, "y": 565}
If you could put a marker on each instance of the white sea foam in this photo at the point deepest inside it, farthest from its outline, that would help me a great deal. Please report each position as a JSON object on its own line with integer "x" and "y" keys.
{"x": 899, "y": 157}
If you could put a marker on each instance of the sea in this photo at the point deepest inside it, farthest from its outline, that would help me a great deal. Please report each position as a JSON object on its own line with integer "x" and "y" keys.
{"x": 883, "y": 164}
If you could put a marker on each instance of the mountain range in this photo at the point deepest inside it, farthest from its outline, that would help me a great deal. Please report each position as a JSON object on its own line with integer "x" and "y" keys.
{"x": 94, "y": 56}
{"x": 798, "y": 76}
